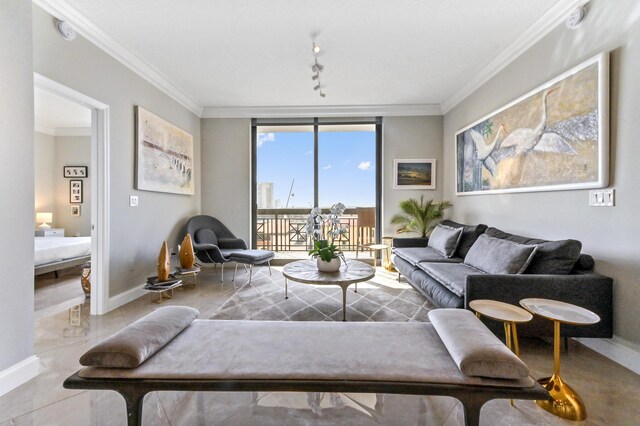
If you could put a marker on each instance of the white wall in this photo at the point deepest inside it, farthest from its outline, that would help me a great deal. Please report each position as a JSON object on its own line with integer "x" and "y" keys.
{"x": 72, "y": 151}
{"x": 136, "y": 234}
{"x": 611, "y": 235}
{"x": 408, "y": 138}
{"x": 44, "y": 156}
{"x": 16, "y": 184}
{"x": 226, "y": 172}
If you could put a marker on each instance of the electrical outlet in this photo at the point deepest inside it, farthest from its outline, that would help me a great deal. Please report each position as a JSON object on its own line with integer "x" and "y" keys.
{"x": 602, "y": 198}
{"x": 133, "y": 201}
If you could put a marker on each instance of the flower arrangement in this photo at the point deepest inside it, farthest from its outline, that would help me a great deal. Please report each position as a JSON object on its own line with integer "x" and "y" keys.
{"x": 324, "y": 229}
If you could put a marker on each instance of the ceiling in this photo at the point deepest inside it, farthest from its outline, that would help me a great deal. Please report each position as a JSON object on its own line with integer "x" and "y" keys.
{"x": 257, "y": 53}
{"x": 55, "y": 115}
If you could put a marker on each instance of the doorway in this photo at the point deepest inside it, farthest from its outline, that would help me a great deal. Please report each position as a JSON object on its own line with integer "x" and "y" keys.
{"x": 98, "y": 187}
{"x": 303, "y": 163}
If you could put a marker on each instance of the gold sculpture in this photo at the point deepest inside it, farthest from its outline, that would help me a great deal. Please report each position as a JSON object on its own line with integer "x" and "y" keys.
{"x": 187, "y": 256}
{"x": 164, "y": 263}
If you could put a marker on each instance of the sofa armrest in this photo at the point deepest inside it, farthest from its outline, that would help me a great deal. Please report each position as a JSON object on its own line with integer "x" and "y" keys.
{"x": 588, "y": 290}
{"x": 232, "y": 243}
{"x": 409, "y": 242}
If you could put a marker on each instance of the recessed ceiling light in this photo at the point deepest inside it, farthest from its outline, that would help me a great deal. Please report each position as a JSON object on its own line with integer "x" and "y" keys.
{"x": 316, "y": 49}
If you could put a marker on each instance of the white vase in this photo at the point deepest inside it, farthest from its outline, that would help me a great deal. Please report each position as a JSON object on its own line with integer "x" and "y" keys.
{"x": 332, "y": 266}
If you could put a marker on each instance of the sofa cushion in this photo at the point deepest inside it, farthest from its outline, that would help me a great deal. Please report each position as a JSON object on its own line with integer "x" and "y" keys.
{"x": 469, "y": 235}
{"x": 497, "y": 256}
{"x": 552, "y": 257}
{"x": 138, "y": 341}
{"x": 451, "y": 275}
{"x": 475, "y": 350}
{"x": 445, "y": 240}
{"x": 206, "y": 236}
{"x": 415, "y": 255}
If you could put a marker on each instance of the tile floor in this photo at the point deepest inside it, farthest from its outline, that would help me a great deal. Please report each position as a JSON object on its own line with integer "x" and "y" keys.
{"x": 611, "y": 392}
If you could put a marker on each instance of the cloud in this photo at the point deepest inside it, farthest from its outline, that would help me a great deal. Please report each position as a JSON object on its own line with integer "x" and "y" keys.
{"x": 327, "y": 167}
{"x": 265, "y": 137}
{"x": 308, "y": 152}
{"x": 365, "y": 165}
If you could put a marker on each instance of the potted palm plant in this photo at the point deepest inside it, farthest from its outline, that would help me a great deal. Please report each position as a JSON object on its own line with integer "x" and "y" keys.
{"x": 419, "y": 217}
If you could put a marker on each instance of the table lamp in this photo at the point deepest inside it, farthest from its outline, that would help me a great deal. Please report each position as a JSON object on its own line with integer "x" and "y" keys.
{"x": 43, "y": 218}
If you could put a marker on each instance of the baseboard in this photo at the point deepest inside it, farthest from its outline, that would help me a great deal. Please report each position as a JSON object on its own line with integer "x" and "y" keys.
{"x": 18, "y": 374}
{"x": 616, "y": 349}
{"x": 124, "y": 298}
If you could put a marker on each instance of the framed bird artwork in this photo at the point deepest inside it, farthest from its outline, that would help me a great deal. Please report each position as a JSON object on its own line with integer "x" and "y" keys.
{"x": 555, "y": 137}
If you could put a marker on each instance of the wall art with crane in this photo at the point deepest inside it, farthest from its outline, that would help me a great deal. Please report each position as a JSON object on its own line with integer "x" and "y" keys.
{"x": 555, "y": 137}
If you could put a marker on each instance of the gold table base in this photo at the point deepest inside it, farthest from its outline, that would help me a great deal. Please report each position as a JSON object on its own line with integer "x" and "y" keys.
{"x": 564, "y": 402}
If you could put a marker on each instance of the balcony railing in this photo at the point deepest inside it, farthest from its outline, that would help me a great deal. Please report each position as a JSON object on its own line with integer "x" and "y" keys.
{"x": 284, "y": 230}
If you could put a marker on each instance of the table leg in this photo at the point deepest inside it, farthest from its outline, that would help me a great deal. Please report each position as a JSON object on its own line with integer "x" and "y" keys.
{"x": 344, "y": 303}
{"x": 286, "y": 289}
{"x": 564, "y": 401}
{"x": 514, "y": 337}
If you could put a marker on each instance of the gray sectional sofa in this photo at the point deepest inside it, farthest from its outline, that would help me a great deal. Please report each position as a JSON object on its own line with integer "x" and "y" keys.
{"x": 460, "y": 263}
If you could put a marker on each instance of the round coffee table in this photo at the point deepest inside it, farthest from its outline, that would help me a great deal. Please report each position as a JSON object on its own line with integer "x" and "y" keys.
{"x": 509, "y": 314}
{"x": 564, "y": 402}
{"x": 306, "y": 272}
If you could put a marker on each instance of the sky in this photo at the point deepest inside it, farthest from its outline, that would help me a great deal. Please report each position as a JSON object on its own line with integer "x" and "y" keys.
{"x": 346, "y": 163}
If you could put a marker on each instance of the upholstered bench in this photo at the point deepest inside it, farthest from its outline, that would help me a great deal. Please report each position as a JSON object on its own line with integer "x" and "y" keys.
{"x": 168, "y": 350}
{"x": 251, "y": 257}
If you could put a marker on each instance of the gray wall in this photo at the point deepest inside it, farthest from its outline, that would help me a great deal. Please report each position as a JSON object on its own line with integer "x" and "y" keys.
{"x": 611, "y": 235}
{"x": 226, "y": 166}
{"x": 136, "y": 234}
{"x": 44, "y": 155}
{"x": 72, "y": 151}
{"x": 408, "y": 138}
{"x": 226, "y": 172}
{"x": 16, "y": 182}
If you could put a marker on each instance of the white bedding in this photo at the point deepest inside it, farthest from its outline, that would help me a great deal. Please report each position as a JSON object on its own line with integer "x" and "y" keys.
{"x": 53, "y": 249}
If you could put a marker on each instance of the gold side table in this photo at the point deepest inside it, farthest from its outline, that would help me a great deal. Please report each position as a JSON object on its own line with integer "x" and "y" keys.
{"x": 508, "y": 314}
{"x": 564, "y": 402}
{"x": 375, "y": 247}
{"x": 386, "y": 260}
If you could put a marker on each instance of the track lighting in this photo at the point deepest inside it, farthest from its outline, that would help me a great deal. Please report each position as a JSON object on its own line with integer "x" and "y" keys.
{"x": 317, "y": 68}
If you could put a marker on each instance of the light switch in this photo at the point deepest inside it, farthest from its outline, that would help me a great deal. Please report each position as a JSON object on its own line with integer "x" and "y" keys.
{"x": 133, "y": 201}
{"x": 602, "y": 198}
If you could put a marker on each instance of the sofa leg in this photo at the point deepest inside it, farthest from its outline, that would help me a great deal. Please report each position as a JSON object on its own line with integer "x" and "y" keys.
{"x": 399, "y": 276}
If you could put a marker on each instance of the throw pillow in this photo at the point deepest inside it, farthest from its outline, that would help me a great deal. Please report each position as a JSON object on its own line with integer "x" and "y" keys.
{"x": 445, "y": 240}
{"x": 496, "y": 256}
{"x": 206, "y": 236}
{"x": 469, "y": 235}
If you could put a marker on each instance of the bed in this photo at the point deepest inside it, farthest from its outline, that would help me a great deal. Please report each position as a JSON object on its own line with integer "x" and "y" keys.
{"x": 52, "y": 254}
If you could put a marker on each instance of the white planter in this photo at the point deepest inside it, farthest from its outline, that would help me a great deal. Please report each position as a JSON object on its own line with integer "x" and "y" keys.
{"x": 332, "y": 266}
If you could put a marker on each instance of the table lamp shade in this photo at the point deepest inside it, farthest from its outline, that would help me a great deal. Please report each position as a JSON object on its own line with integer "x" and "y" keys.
{"x": 43, "y": 218}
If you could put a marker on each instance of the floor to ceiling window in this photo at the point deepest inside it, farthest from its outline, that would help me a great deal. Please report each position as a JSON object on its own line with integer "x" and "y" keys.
{"x": 302, "y": 163}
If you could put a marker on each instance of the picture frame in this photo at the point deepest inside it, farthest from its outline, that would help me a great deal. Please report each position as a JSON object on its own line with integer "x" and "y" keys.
{"x": 414, "y": 174}
{"x": 75, "y": 210}
{"x": 568, "y": 117}
{"x": 76, "y": 172}
{"x": 164, "y": 155}
{"x": 75, "y": 191}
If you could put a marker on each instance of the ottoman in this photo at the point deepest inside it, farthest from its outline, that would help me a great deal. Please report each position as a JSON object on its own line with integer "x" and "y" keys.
{"x": 251, "y": 258}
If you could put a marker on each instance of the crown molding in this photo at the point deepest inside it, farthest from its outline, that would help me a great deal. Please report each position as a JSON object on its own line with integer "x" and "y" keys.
{"x": 543, "y": 26}
{"x": 62, "y": 10}
{"x": 321, "y": 111}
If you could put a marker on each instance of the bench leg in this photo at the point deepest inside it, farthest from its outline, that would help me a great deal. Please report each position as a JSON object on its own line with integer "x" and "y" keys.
{"x": 134, "y": 401}
{"x": 471, "y": 408}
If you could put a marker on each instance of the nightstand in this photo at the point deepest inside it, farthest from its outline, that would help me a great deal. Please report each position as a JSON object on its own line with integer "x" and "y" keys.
{"x": 50, "y": 232}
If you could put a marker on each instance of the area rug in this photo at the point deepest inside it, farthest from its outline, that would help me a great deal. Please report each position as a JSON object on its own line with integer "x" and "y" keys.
{"x": 381, "y": 299}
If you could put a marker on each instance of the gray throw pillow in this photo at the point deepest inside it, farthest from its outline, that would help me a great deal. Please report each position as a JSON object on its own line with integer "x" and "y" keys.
{"x": 496, "y": 256}
{"x": 445, "y": 240}
{"x": 206, "y": 236}
{"x": 132, "y": 345}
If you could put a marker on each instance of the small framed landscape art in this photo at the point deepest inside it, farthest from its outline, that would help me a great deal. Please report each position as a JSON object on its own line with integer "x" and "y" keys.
{"x": 164, "y": 155}
{"x": 75, "y": 191}
{"x": 75, "y": 171}
{"x": 414, "y": 174}
{"x": 555, "y": 137}
{"x": 75, "y": 210}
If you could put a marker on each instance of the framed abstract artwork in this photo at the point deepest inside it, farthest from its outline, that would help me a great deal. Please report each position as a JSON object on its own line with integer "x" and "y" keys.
{"x": 164, "y": 155}
{"x": 414, "y": 174}
{"x": 75, "y": 191}
{"x": 75, "y": 172}
{"x": 555, "y": 137}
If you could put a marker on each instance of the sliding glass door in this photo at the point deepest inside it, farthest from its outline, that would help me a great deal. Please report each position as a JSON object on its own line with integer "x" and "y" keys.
{"x": 305, "y": 163}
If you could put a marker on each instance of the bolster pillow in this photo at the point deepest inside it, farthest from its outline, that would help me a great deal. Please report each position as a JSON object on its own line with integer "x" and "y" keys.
{"x": 132, "y": 345}
{"x": 475, "y": 349}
